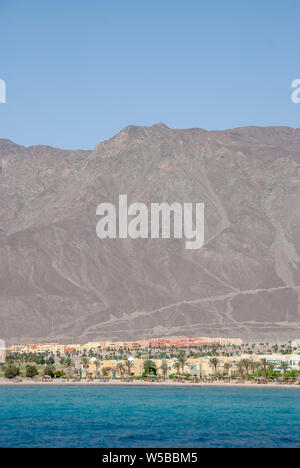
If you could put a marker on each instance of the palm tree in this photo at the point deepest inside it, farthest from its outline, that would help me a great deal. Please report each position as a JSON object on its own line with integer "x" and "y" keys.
{"x": 177, "y": 366}
{"x": 128, "y": 364}
{"x": 264, "y": 365}
{"x": 68, "y": 365}
{"x": 182, "y": 360}
{"x": 98, "y": 363}
{"x": 252, "y": 366}
{"x": 255, "y": 366}
{"x": 270, "y": 368}
{"x": 84, "y": 361}
{"x": 68, "y": 362}
{"x": 227, "y": 367}
{"x": 214, "y": 362}
{"x": 164, "y": 368}
{"x": 246, "y": 364}
{"x": 149, "y": 366}
{"x": 120, "y": 368}
{"x": 284, "y": 366}
{"x": 240, "y": 367}
{"x": 106, "y": 371}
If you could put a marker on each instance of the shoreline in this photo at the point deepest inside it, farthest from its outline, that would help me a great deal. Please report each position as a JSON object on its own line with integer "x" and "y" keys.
{"x": 119, "y": 383}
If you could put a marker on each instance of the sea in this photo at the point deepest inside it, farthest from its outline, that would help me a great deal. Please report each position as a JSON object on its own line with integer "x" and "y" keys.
{"x": 149, "y": 417}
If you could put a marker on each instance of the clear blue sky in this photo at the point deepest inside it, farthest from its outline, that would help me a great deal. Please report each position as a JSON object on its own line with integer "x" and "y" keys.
{"x": 78, "y": 71}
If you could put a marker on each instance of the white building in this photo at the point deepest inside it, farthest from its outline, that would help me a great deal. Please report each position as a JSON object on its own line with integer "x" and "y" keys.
{"x": 295, "y": 344}
{"x": 293, "y": 360}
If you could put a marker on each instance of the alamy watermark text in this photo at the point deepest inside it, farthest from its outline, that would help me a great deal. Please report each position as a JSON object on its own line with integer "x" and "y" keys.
{"x": 161, "y": 221}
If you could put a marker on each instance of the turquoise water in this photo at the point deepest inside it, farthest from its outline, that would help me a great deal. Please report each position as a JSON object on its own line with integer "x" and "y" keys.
{"x": 149, "y": 417}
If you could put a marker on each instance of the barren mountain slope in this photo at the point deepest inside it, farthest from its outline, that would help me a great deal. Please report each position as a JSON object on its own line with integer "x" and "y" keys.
{"x": 58, "y": 281}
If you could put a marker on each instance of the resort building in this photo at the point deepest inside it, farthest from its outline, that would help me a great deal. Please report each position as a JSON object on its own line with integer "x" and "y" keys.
{"x": 200, "y": 368}
{"x": 51, "y": 348}
{"x": 292, "y": 360}
{"x": 165, "y": 343}
{"x": 74, "y": 349}
{"x": 126, "y": 346}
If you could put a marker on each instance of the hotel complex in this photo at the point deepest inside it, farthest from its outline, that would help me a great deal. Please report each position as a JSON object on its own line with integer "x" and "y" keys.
{"x": 155, "y": 343}
{"x": 201, "y": 368}
{"x": 203, "y": 357}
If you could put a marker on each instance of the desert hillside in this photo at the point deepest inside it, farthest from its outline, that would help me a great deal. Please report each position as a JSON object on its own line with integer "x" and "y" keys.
{"x": 58, "y": 281}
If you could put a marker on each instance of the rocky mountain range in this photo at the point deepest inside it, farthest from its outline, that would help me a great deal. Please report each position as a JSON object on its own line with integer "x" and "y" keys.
{"x": 60, "y": 282}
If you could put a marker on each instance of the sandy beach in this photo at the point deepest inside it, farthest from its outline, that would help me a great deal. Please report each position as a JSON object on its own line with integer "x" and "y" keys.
{"x": 137, "y": 383}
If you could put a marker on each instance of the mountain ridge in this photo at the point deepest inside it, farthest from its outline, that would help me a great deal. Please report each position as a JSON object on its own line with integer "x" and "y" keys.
{"x": 58, "y": 281}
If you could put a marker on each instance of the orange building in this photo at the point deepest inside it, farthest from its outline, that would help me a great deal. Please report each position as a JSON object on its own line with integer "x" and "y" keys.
{"x": 180, "y": 343}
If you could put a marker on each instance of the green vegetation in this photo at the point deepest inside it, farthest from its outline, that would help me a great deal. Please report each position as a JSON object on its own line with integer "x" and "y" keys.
{"x": 149, "y": 368}
{"x": 49, "y": 371}
{"x": 11, "y": 372}
{"x": 31, "y": 372}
